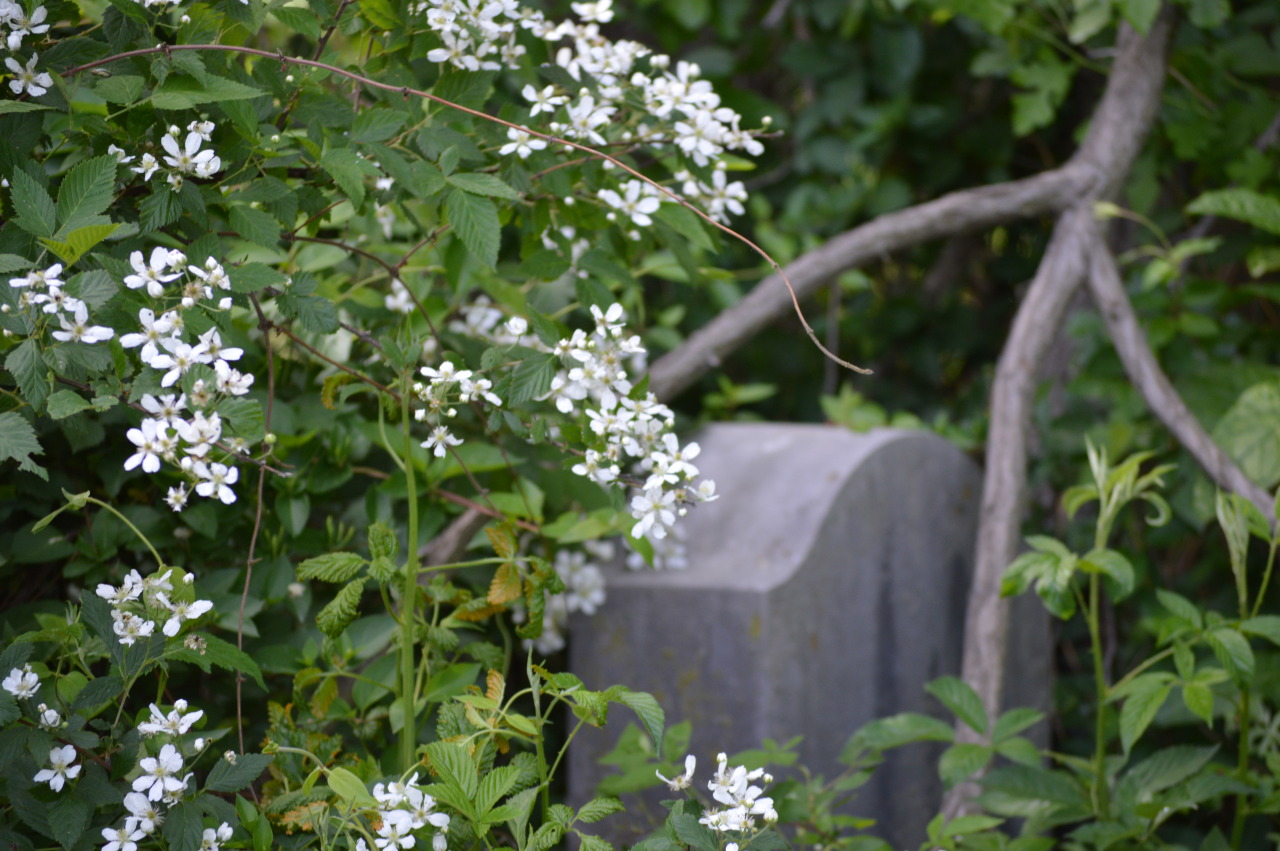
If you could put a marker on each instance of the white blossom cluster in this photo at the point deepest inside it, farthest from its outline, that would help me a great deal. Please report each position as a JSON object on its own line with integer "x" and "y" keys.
{"x": 23, "y": 683}
{"x": 446, "y": 385}
{"x": 180, "y": 160}
{"x": 679, "y": 108}
{"x": 159, "y": 785}
{"x": 44, "y": 295}
{"x": 184, "y": 428}
{"x": 15, "y": 25}
{"x": 733, "y": 789}
{"x": 636, "y": 432}
{"x": 405, "y": 810}
{"x": 139, "y": 602}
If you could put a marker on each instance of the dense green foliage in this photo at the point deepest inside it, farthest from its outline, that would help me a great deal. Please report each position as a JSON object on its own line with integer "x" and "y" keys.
{"x": 362, "y": 232}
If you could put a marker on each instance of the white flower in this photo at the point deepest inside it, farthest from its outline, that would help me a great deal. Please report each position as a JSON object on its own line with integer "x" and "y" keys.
{"x": 22, "y": 683}
{"x": 440, "y": 439}
{"x": 522, "y": 143}
{"x": 49, "y": 718}
{"x": 122, "y": 839}
{"x": 159, "y": 774}
{"x": 129, "y": 627}
{"x": 153, "y": 332}
{"x": 600, "y": 12}
{"x": 175, "y": 723}
{"x": 130, "y": 589}
{"x": 27, "y": 79}
{"x": 146, "y": 167}
{"x": 681, "y": 781}
{"x": 181, "y": 609}
{"x": 216, "y": 480}
{"x": 396, "y": 831}
{"x": 655, "y": 511}
{"x": 144, "y": 814}
{"x": 189, "y": 159}
{"x": 151, "y": 274}
{"x": 545, "y": 100}
{"x": 176, "y": 498}
{"x": 120, "y": 154}
{"x": 79, "y": 330}
{"x": 212, "y": 839}
{"x": 61, "y": 768}
{"x": 40, "y": 279}
{"x": 149, "y": 439}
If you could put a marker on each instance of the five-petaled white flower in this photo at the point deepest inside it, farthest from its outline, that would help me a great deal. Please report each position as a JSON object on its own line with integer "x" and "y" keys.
{"x": 159, "y": 774}
{"x": 681, "y": 781}
{"x": 22, "y": 683}
{"x": 440, "y": 439}
{"x": 34, "y": 83}
{"x": 61, "y": 768}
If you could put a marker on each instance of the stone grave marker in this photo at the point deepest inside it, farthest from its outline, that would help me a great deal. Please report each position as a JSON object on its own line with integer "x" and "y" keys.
{"x": 824, "y": 588}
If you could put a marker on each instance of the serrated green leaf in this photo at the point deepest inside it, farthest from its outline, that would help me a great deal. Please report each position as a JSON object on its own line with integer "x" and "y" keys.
{"x": 475, "y": 220}
{"x": 232, "y": 777}
{"x": 1144, "y": 698}
{"x": 68, "y": 817}
{"x": 298, "y": 19}
{"x": 598, "y": 808}
{"x": 383, "y": 542}
{"x": 455, "y": 766}
{"x": 381, "y": 13}
{"x": 1168, "y": 767}
{"x": 1233, "y": 651}
{"x": 646, "y": 708}
{"x": 376, "y": 125}
{"x": 85, "y": 193}
{"x": 596, "y": 843}
{"x": 342, "y": 609}
{"x": 215, "y": 652}
{"x": 1243, "y": 205}
{"x": 482, "y": 184}
{"x": 181, "y": 92}
{"x": 343, "y": 166}
{"x": 120, "y": 88}
{"x": 1115, "y": 567}
{"x": 162, "y": 207}
{"x": 1199, "y": 700}
{"x": 28, "y": 368}
{"x": 257, "y": 226}
{"x": 1014, "y": 722}
{"x": 961, "y": 699}
{"x": 493, "y": 786}
{"x": 253, "y": 277}
{"x": 18, "y": 443}
{"x": 64, "y": 403}
{"x": 961, "y": 761}
{"x": 9, "y": 106}
{"x": 33, "y": 209}
{"x": 332, "y": 567}
{"x": 183, "y": 826}
{"x": 532, "y": 378}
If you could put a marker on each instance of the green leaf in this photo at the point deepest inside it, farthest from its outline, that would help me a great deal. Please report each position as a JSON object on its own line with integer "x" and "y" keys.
{"x": 692, "y": 832}
{"x": 376, "y": 125}
{"x": 961, "y": 699}
{"x": 1263, "y": 626}
{"x": 1115, "y": 567}
{"x": 257, "y": 226}
{"x": 475, "y": 220}
{"x": 1199, "y": 700}
{"x": 1244, "y": 205}
{"x": 64, "y": 403}
{"x": 120, "y": 88}
{"x": 1145, "y": 696}
{"x": 162, "y": 207}
{"x": 455, "y": 767}
{"x": 18, "y": 443}
{"x": 1168, "y": 767}
{"x": 86, "y": 192}
{"x": 33, "y": 209}
{"x": 532, "y": 378}
{"x": 648, "y": 710}
{"x": 68, "y": 817}
{"x": 598, "y": 808}
{"x": 350, "y": 788}
{"x": 901, "y": 729}
{"x": 182, "y": 92}
{"x": 9, "y": 106}
{"x": 219, "y": 653}
{"x": 482, "y": 184}
{"x": 961, "y": 761}
{"x": 1233, "y": 651}
{"x": 381, "y": 13}
{"x": 298, "y": 19}
{"x": 1140, "y": 13}
{"x": 343, "y": 166}
{"x": 29, "y": 370}
{"x": 1180, "y": 607}
{"x": 596, "y": 843}
{"x": 495, "y": 784}
{"x": 253, "y": 277}
{"x": 342, "y": 609}
{"x": 1014, "y": 722}
{"x": 383, "y": 542}
{"x": 232, "y": 777}
{"x": 183, "y": 826}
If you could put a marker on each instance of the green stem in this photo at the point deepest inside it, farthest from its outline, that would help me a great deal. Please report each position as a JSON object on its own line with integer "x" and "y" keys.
{"x": 1159, "y": 657}
{"x": 535, "y": 693}
{"x": 1266, "y": 578}
{"x": 1242, "y": 767}
{"x": 409, "y": 593}
{"x": 125, "y": 520}
{"x": 1101, "y": 793}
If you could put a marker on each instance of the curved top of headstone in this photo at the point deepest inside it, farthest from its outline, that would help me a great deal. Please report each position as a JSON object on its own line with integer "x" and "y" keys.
{"x": 778, "y": 480}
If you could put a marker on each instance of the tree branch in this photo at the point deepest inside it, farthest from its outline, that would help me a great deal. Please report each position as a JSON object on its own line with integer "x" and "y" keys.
{"x": 1116, "y": 133}
{"x": 1145, "y": 373}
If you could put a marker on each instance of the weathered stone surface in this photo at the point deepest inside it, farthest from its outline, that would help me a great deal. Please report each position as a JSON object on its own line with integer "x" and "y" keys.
{"x": 825, "y": 587}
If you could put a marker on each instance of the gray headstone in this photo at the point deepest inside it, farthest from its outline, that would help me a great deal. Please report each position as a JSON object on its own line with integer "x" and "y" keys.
{"x": 825, "y": 587}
